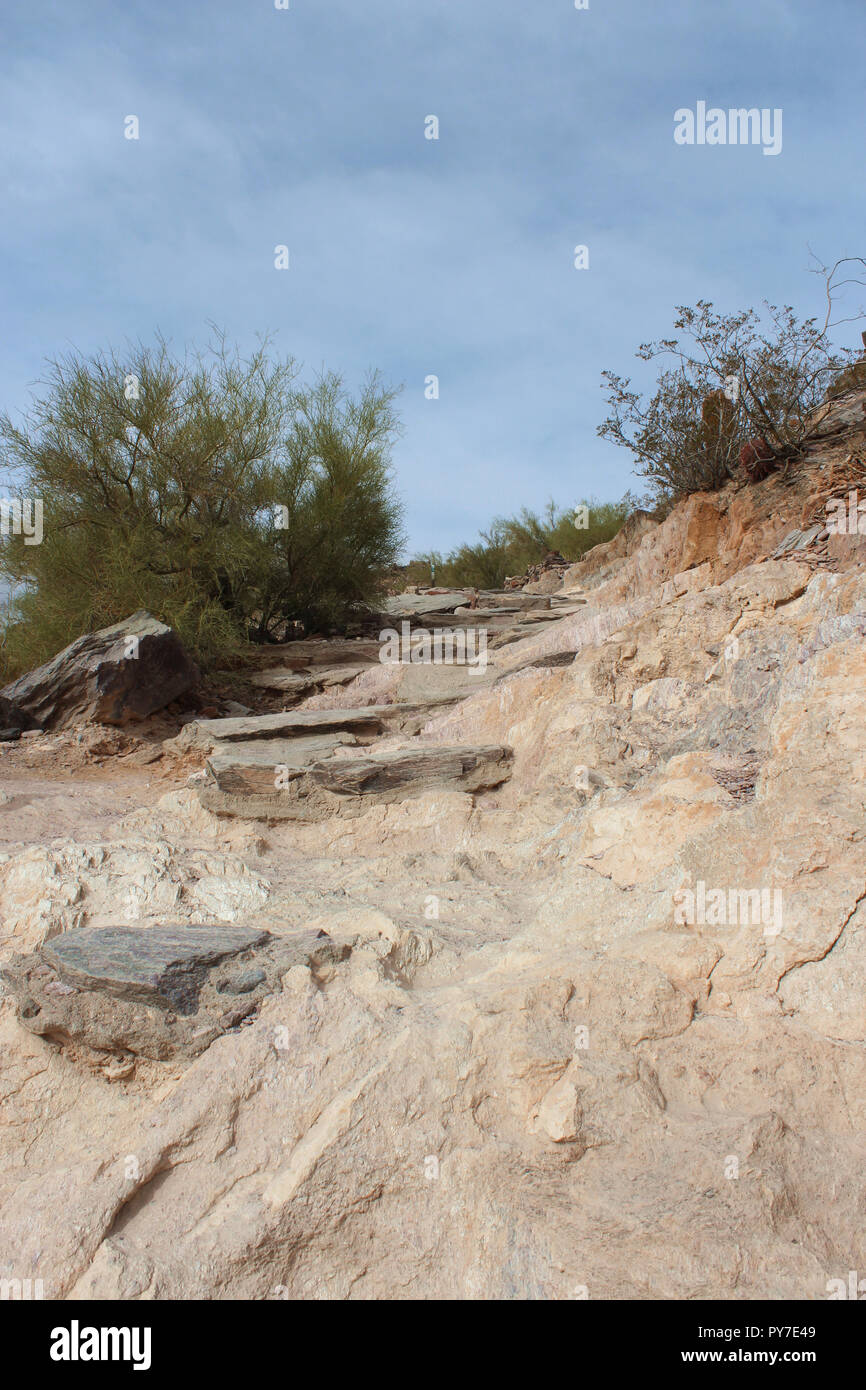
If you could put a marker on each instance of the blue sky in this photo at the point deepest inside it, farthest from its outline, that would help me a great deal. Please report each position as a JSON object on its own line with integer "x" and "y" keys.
{"x": 305, "y": 127}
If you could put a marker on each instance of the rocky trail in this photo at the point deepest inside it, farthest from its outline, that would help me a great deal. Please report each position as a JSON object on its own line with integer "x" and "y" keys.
{"x": 540, "y": 976}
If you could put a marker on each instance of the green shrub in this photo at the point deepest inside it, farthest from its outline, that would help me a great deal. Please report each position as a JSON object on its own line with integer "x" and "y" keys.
{"x": 214, "y": 491}
{"x": 511, "y": 544}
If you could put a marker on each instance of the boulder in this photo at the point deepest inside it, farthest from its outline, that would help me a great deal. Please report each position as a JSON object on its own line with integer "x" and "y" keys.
{"x": 550, "y": 582}
{"x": 547, "y": 574}
{"x": 113, "y": 676}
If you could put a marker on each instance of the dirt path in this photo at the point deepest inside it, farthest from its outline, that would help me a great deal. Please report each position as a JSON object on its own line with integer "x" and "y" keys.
{"x": 51, "y": 788}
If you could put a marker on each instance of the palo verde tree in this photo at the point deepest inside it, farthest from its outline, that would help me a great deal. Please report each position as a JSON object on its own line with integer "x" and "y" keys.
{"x": 214, "y": 490}
{"x": 727, "y": 379}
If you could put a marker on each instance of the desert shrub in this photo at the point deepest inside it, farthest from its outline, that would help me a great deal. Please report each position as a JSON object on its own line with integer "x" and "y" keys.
{"x": 213, "y": 490}
{"x": 511, "y": 544}
{"x": 725, "y": 380}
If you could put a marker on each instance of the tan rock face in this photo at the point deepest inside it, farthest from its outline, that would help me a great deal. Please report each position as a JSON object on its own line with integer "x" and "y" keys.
{"x": 599, "y": 1026}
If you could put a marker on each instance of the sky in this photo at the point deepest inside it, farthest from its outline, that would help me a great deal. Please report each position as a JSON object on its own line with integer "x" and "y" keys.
{"x": 453, "y": 257}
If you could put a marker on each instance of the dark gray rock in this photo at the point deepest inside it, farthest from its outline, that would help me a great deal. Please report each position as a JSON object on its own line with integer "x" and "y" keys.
{"x": 163, "y": 965}
{"x": 155, "y": 991}
{"x": 12, "y": 718}
{"x": 113, "y": 676}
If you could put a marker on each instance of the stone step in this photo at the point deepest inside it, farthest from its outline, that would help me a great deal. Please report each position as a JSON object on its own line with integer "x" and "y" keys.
{"x": 463, "y": 619}
{"x": 308, "y": 653}
{"x": 365, "y": 722}
{"x": 542, "y": 663}
{"x": 250, "y": 767}
{"x": 423, "y": 605}
{"x": 286, "y": 681}
{"x": 511, "y": 599}
{"x": 472, "y": 766}
{"x": 347, "y": 786}
{"x": 498, "y": 616}
{"x": 467, "y": 619}
{"x": 517, "y": 634}
{"x": 207, "y": 733}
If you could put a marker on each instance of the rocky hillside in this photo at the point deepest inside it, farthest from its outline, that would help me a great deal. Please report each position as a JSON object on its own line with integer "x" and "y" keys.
{"x": 538, "y": 979}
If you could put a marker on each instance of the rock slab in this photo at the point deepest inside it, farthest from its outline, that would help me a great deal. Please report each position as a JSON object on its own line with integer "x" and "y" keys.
{"x": 345, "y": 786}
{"x": 164, "y": 965}
{"x": 158, "y": 992}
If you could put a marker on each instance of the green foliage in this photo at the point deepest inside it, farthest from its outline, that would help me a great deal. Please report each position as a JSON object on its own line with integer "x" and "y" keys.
{"x": 511, "y": 544}
{"x": 214, "y": 491}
